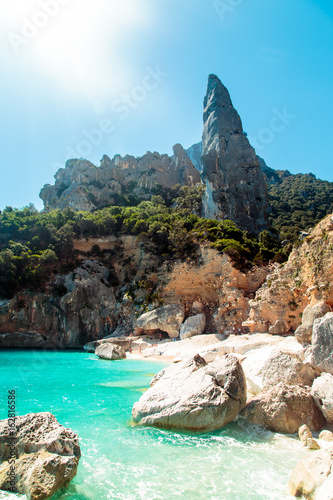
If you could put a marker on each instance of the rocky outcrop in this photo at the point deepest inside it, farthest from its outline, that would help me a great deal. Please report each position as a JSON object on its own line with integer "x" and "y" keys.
{"x": 167, "y": 319}
{"x": 284, "y": 409}
{"x": 223, "y": 292}
{"x": 47, "y": 455}
{"x": 85, "y": 312}
{"x": 282, "y": 367}
{"x": 313, "y": 476}
{"x": 194, "y": 325}
{"x": 235, "y": 185}
{"x": 110, "y": 351}
{"x": 83, "y": 186}
{"x": 224, "y": 161}
{"x": 304, "y": 331}
{"x": 124, "y": 343}
{"x": 192, "y": 395}
{"x": 322, "y": 393}
{"x": 304, "y": 280}
{"x": 322, "y": 343}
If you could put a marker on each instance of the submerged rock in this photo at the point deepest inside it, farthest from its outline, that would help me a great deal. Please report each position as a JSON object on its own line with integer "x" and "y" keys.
{"x": 47, "y": 455}
{"x": 285, "y": 409}
{"x": 194, "y": 396}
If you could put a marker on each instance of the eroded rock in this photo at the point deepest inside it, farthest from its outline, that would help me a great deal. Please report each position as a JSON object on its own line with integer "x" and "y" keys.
{"x": 47, "y": 455}
{"x": 284, "y": 409}
{"x": 310, "y": 314}
{"x": 310, "y": 474}
{"x": 235, "y": 185}
{"x": 322, "y": 343}
{"x": 194, "y": 396}
{"x": 110, "y": 351}
{"x": 194, "y": 325}
{"x": 322, "y": 393}
{"x": 167, "y": 319}
{"x": 280, "y": 367}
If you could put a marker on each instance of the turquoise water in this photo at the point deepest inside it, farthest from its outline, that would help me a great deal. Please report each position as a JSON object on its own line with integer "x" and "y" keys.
{"x": 121, "y": 461}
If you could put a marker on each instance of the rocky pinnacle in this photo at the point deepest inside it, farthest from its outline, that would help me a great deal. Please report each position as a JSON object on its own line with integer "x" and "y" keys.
{"x": 236, "y": 188}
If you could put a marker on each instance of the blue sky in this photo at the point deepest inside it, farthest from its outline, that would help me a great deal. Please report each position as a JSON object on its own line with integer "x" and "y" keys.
{"x": 83, "y": 78}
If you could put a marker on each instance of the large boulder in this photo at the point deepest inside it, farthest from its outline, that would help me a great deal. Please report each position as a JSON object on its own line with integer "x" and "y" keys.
{"x": 280, "y": 367}
{"x": 39, "y": 475}
{"x": 192, "y": 395}
{"x": 123, "y": 342}
{"x": 47, "y": 455}
{"x": 322, "y": 393}
{"x": 277, "y": 362}
{"x": 322, "y": 343}
{"x": 167, "y": 319}
{"x": 194, "y": 325}
{"x": 304, "y": 332}
{"x": 284, "y": 409}
{"x": 311, "y": 474}
{"x": 110, "y": 352}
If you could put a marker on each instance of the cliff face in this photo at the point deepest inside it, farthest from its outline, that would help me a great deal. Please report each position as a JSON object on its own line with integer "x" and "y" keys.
{"x": 92, "y": 301}
{"x": 82, "y": 186}
{"x": 304, "y": 280}
{"x": 235, "y": 185}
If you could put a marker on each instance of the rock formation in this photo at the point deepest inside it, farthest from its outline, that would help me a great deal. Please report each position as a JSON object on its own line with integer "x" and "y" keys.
{"x": 281, "y": 367}
{"x": 285, "y": 409}
{"x": 47, "y": 455}
{"x": 194, "y": 325}
{"x": 304, "y": 331}
{"x": 307, "y": 439}
{"x": 312, "y": 477}
{"x": 83, "y": 186}
{"x": 304, "y": 280}
{"x": 110, "y": 351}
{"x": 322, "y": 393}
{"x": 235, "y": 185}
{"x": 192, "y": 395}
{"x": 322, "y": 343}
{"x": 167, "y": 319}
{"x": 224, "y": 161}
{"x": 85, "y": 312}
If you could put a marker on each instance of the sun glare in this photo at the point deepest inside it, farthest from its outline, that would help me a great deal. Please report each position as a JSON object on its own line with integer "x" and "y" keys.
{"x": 60, "y": 37}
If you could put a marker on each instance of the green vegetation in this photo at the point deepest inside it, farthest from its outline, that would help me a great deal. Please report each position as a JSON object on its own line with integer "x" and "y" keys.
{"x": 34, "y": 246}
{"x": 298, "y": 203}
